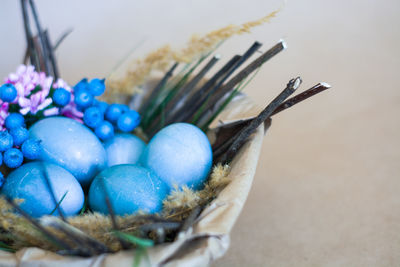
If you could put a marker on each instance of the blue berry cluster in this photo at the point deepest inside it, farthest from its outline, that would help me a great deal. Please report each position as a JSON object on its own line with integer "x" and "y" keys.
{"x": 15, "y": 143}
{"x": 100, "y": 116}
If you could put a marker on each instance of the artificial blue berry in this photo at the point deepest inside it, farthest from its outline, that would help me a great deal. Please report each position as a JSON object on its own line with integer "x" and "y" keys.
{"x": 2, "y": 180}
{"x": 104, "y": 131}
{"x": 1, "y": 159}
{"x": 83, "y": 99}
{"x": 8, "y": 93}
{"x": 128, "y": 121}
{"x": 6, "y": 141}
{"x": 97, "y": 87}
{"x": 81, "y": 85}
{"x": 113, "y": 112}
{"x": 124, "y": 108}
{"x": 101, "y": 105}
{"x": 92, "y": 117}
{"x": 14, "y": 120}
{"x": 61, "y": 97}
{"x": 13, "y": 158}
{"x": 31, "y": 148}
{"x": 19, "y": 135}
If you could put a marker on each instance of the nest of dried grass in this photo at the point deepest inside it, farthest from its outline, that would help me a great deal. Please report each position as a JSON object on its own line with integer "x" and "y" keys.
{"x": 17, "y": 233}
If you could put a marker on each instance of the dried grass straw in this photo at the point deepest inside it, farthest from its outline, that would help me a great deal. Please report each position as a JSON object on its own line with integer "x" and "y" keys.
{"x": 161, "y": 58}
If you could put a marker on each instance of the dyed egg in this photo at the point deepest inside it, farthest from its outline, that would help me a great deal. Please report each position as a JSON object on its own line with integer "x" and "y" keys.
{"x": 71, "y": 145}
{"x": 124, "y": 149}
{"x": 28, "y": 182}
{"x": 180, "y": 154}
{"x": 130, "y": 188}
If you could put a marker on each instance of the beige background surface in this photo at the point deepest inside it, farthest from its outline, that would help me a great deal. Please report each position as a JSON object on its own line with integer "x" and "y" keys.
{"x": 327, "y": 187}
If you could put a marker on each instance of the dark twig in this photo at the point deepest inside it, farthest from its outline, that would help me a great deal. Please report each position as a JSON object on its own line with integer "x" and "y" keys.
{"x": 158, "y": 88}
{"x": 57, "y": 241}
{"x": 242, "y": 136}
{"x": 41, "y": 36}
{"x": 39, "y": 52}
{"x": 226, "y": 132}
{"x": 110, "y": 208}
{"x": 62, "y": 38}
{"x": 182, "y": 107}
{"x": 51, "y": 56}
{"x": 76, "y": 235}
{"x": 182, "y": 93}
{"x": 186, "y": 89}
{"x": 51, "y": 190}
{"x": 320, "y": 87}
{"x": 189, "y": 221}
{"x": 230, "y": 85}
{"x": 201, "y": 105}
{"x": 161, "y": 102}
{"x": 166, "y": 225}
{"x": 29, "y": 38}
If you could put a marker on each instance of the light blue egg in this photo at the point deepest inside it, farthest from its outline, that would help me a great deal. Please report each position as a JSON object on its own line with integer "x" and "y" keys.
{"x": 180, "y": 154}
{"x": 124, "y": 148}
{"x": 71, "y": 145}
{"x": 130, "y": 188}
{"x": 28, "y": 182}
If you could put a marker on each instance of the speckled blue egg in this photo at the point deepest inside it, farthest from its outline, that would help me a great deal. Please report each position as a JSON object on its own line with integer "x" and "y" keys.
{"x": 71, "y": 145}
{"x": 124, "y": 148}
{"x": 28, "y": 182}
{"x": 130, "y": 188}
{"x": 180, "y": 154}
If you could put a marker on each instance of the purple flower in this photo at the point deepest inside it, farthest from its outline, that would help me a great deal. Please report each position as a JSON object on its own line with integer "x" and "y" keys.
{"x": 26, "y": 80}
{"x": 3, "y": 115}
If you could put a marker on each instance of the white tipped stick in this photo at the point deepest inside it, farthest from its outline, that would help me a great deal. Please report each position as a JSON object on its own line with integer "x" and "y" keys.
{"x": 284, "y": 44}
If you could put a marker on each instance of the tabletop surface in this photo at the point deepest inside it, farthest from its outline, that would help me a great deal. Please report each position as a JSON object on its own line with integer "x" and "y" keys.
{"x": 326, "y": 192}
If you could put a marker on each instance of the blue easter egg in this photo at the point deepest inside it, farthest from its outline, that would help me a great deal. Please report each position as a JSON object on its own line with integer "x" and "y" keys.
{"x": 130, "y": 188}
{"x": 71, "y": 145}
{"x": 124, "y": 149}
{"x": 28, "y": 182}
{"x": 180, "y": 154}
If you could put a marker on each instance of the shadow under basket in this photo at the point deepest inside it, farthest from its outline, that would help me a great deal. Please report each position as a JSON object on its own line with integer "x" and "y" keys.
{"x": 208, "y": 238}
